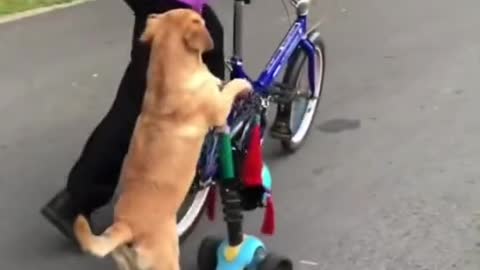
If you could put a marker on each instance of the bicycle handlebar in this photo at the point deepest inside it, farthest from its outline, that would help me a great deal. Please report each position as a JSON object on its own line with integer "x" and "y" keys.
{"x": 298, "y": 4}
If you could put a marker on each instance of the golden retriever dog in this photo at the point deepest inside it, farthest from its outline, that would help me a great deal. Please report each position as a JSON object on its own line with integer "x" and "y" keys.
{"x": 183, "y": 100}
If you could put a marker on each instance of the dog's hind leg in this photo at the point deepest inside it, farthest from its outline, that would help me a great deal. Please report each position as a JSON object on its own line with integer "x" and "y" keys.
{"x": 160, "y": 251}
{"x": 125, "y": 258}
{"x": 121, "y": 261}
{"x": 167, "y": 257}
{"x": 117, "y": 234}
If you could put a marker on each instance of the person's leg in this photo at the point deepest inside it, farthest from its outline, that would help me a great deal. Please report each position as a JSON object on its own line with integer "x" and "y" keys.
{"x": 93, "y": 178}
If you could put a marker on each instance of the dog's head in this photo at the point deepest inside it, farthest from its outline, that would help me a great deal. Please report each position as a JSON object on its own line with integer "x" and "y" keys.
{"x": 179, "y": 26}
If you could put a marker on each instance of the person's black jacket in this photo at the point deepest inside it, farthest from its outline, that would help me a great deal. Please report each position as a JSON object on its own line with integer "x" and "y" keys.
{"x": 140, "y": 52}
{"x": 141, "y": 9}
{"x": 144, "y": 7}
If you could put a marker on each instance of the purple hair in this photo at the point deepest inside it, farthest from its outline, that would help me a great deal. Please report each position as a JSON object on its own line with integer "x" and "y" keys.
{"x": 195, "y": 4}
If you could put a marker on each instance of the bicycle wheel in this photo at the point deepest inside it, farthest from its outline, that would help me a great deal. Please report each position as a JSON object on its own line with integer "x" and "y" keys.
{"x": 298, "y": 115}
{"x": 190, "y": 211}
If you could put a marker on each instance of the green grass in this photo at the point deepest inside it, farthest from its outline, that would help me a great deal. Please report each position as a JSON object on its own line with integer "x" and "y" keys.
{"x": 14, "y": 6}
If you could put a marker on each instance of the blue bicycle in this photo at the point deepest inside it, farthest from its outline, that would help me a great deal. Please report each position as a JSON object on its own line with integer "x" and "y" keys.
{"x": 299, "y": 54}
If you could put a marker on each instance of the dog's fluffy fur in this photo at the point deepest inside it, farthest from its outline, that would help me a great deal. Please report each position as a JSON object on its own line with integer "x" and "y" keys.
{"x": 182, "y": 102}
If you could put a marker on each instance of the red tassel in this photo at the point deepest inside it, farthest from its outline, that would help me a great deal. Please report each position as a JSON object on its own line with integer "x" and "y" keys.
{"x": 253, "y": 164}
{"x": 268, "y": 226}
{"x": 211, "y": 203}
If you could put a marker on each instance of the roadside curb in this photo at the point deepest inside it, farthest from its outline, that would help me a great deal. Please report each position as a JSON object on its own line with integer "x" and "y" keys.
{"x": 38, "y": 11}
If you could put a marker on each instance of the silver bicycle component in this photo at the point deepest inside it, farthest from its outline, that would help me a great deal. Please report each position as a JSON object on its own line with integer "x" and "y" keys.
{"x": 228, "y": 65}
{"x": 302, "y": 6}
{"x": 265, "y": 102}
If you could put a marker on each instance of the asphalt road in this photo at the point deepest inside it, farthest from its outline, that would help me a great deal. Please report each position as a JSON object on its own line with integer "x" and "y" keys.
{"x": 387, "y": 181}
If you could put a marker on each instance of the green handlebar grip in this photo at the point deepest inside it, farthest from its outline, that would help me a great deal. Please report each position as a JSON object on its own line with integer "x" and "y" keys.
{"x": 226, "y": 158}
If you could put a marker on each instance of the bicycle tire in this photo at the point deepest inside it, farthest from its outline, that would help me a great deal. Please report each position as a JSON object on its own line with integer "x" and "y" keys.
{"x": 194, "y": 203}
{"x": 292, "y": 76}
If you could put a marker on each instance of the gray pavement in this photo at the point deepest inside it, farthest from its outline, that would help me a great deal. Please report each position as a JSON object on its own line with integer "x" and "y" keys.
{"x": 387, "y": 180}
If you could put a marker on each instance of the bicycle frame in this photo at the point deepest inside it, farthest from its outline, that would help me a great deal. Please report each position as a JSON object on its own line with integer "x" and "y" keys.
{"x": 295, "y": 37}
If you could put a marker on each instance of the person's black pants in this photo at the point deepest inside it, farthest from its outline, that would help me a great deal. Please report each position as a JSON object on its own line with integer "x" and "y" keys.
{"x": 94, "y": 177}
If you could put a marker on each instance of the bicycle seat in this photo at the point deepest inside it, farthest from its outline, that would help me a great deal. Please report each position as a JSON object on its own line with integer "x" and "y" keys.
{"x": 301, "y": 6}
{"x": 244, "y": 1}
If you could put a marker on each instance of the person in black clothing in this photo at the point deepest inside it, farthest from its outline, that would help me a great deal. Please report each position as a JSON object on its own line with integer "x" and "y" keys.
{"x": 94, "y": 177}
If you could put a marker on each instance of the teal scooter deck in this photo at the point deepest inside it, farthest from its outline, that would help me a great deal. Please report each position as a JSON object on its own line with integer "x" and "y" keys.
{"x": 245, "y": 256}
{"x": 238, "y": 251}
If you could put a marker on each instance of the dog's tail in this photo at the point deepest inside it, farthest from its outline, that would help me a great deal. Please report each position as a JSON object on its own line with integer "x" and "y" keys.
{"x": 101, "y": 245}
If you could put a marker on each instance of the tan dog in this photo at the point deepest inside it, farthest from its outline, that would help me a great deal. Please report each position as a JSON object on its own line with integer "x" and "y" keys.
{"x": 182, "y": 102}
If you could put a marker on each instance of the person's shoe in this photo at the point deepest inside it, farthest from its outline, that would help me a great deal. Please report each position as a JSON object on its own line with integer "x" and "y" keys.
{"x": 61, "y": 212}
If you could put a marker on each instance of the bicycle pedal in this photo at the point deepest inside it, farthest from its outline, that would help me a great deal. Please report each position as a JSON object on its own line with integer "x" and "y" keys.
{"x": 278, "y": 86}
{"x": 282, "y": 93}
{"x": 281, "y": 130}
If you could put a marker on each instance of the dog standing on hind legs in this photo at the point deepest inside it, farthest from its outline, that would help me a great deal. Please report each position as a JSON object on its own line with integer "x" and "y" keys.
{"x": 182, "y": 102}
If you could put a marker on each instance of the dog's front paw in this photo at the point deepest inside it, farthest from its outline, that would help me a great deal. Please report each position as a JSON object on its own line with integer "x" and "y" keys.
{"x": 240, "y": 86}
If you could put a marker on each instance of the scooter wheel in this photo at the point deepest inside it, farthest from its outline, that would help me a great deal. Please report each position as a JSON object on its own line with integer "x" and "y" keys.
{"x": 275, "y": 262}
{"x": 207, "y": 253}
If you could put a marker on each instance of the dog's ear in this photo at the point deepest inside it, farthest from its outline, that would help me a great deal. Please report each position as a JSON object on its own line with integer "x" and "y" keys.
{"x": 197, "y": 37}
{"x": 151, "y": 27}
